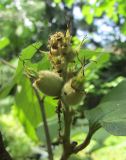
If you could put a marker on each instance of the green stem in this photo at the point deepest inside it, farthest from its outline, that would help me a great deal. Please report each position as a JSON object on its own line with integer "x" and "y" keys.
{"x": 66, "y": 137}
{"x": 46, "y": 129}
{"x": 87, "y": 140}
{"x": 84, "y": 144}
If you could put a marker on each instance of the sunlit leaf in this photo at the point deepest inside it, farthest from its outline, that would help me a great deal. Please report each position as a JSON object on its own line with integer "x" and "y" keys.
{"x": 69, "y": 2}
{"x": 4, "y": 42}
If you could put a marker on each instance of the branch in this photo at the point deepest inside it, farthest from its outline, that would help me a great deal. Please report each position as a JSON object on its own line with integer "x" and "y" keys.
{"x": 87, "y": 140}
{"x": 84, "y": 144}
{"x": 7, "y": 63}
{"x": 4, "y": 155}
{"x": 46, "y": 129}
{"x": 72, "y": 147}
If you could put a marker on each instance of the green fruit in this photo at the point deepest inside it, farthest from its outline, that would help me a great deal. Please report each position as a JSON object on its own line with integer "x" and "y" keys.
{"x": 50, "y": 83}
{"x": 70, "y": 54}
{"x": 70, "y": 95}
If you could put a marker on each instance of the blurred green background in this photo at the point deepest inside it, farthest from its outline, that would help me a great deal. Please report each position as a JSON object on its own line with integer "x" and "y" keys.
{"x": 24, "y": 22}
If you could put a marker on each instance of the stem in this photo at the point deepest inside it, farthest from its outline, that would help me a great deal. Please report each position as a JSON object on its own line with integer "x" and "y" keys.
{"x": 66, "y": 137}
{"x": 87, "y": 140}
{"x": 68, "y": 148}
{"x": 7, "y": 63}
{"x": 84, "y": 144}
{"x": 46, "y": 129}
{"x": 4, "y": 155}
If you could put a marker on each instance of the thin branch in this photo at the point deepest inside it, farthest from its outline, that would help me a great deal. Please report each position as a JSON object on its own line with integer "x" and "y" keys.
{"x": 87, "y": 140}
{"x": 84, "y": 144}
{"x": 46, "y": 129}
{"x": 4, "y": 155}
{"x": 7, "y": 63}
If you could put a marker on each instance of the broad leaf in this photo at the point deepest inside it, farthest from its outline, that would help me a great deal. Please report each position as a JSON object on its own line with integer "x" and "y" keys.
{"x": 115, "y": 127}
{"x": 26, "y": 55}
{"x": 111, "y": 112}
{"x": 27, "y": 103}
{"x": 53, "y": 129}
{"x": 26, "y": 100}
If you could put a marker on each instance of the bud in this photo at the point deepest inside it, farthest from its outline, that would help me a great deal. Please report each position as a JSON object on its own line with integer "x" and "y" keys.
{"x": 70, "y": 95}
{"x": 50, "y": 83}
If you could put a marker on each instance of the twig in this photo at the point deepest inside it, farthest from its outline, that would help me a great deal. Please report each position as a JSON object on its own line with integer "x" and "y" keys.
{"x": 7, "y": 63}
{"x": 46, "y": 129}
{"x": 87, "y": 140}
{"x": 84, "y": 144}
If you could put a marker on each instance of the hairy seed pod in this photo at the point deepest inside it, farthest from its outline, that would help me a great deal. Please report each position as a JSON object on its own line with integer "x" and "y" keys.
{"x": 50, "y": 83}
{"x": 56, "y": 40}
{"x": 70, "y": 54}
{"x": 70, "y": 95}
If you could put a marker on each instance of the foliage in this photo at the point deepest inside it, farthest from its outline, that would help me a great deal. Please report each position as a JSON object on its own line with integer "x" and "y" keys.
{"x": 104, "y": 23}
{"x": 15, "y": 140}
{"x": 111, "y": 111}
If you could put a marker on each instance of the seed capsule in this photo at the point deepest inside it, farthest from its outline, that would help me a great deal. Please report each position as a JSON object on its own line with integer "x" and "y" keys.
{"x": 70, "y": 95}
{"x": 50, "y": 83}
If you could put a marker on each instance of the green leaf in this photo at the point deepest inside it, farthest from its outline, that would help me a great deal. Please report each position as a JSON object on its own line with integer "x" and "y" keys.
{"x": 53, "y": 129}
{"x": 111, "y": 112}
{"x": 123, "y": 28}
{"x": 96, "y": 60}
{"x": 7, "y": 88}
{"x": 4, "y": 42}
{"x": 26, "y": 53}
{"x": 87, "y": 11}
{"x": 27, "y": 101}
{"x": 29, "y": 129}
{"x": 116, "y": 127}
{"x": 50, "y": 106}
{"x": 69, "y": 3}
{"x": 57, "y": 1}
{"x": 88, "y": 54}
{"x": 98, "y": 55}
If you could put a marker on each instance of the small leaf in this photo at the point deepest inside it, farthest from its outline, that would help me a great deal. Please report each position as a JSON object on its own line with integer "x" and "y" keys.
{"x": 27, "y": 101}
{"x": 53, "y": 130}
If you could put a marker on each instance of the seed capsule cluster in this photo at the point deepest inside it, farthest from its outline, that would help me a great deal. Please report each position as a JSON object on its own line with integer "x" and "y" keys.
{"x": 61, "y": 51}
{"x": 62, "y": 81}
